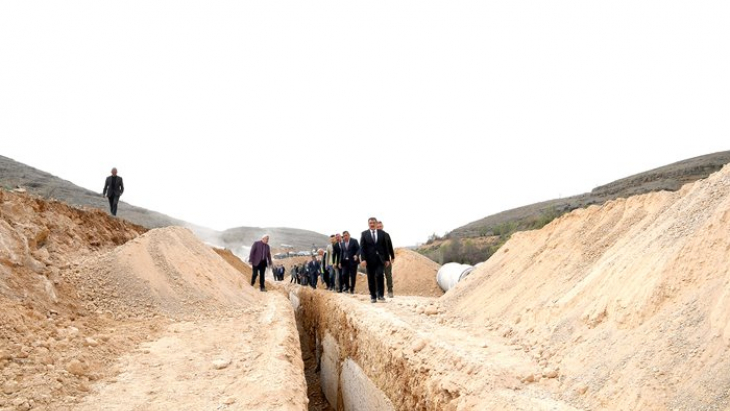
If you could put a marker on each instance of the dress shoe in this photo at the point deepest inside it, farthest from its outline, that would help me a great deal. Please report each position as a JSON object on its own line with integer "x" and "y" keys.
{"x": 263, "y": 290}
{"x": 390, "y": 295}
{"x": 373, "y": 300}
{"x": 381, "y": 298}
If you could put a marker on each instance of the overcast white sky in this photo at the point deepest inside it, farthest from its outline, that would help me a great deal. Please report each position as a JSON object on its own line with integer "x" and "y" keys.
{"x": 317, "y": 115}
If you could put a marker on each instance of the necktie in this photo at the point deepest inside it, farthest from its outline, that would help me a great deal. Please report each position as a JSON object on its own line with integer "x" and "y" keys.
{"x": 375, "y": 240}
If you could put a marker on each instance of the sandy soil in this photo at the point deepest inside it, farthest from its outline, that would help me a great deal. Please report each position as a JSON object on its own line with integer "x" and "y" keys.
{"x": 98, "y": 311}
{"x": 623, "y": 306}
{"x": 627, "y": 303}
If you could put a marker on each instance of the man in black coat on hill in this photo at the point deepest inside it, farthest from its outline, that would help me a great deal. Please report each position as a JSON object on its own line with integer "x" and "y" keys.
{"x": 113, "y": 189}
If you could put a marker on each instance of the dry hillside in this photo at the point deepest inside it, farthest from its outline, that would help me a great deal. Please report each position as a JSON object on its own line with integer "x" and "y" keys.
{"x": 14, "y": 174}
{"x": 670, "y": 177}
{"x": 629, "y": 303}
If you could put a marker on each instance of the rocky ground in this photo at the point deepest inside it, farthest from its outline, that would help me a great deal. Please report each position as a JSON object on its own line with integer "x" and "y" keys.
{"x": 622, "y": 306}
{"x": 99, "y": 311}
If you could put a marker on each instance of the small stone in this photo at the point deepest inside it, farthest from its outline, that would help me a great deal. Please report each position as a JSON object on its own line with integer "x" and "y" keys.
{"x": 10, "y": 387}
{"x": 581, "y": 388}
{"x": 21, "y": 404}
{"x": 431, "y": 310}
{"x": 76, "y": 367}
{"x": 419, "y": 345}
{"x": 550, "y": 373}
{"x": 221, "y": 363}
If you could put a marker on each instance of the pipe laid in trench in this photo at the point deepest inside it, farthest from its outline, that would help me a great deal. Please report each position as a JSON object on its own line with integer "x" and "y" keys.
{"x": 376, "y": 357}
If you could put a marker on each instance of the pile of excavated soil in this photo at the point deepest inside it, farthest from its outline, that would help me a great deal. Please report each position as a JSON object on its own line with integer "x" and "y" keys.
{"x": 98, "y": 313}
{"x": 166, "y": 271}
{"x": 52, "y": 348}
{"x": 413, "y": 274}
{"x": 235, "y": 262}
{"x": 626, "y": 305}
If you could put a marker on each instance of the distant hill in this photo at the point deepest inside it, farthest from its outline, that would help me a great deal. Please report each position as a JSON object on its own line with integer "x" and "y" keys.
{"x": 484, "y": 236}
{"x": 670, "y": 178}
{"x": 15, "y": 175}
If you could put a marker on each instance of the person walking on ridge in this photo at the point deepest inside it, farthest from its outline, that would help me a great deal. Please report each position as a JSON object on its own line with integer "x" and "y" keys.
{"x": 374, "y": 258}
{"x": 349, "y": 252}
{"x": 113, "y": 189}
{"x": 260, "y": 258}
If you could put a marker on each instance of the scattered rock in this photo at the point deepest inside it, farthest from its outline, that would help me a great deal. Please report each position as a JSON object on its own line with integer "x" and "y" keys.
{"x": 221, "y": 363}
{"x": 90, "y": 342}
{"x": 550, "y": 373}
{"x": 581, "y": 388}
{"x": 529, "y": 378}
{"x": 77, "y": 368}
{"x": 419, "y": 345}
{"x": 9, "y": 387}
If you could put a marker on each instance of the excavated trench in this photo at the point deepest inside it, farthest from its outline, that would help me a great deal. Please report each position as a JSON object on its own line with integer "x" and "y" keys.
{"x": 334, "y": 380}
{"x": 406, "y": 354}
{"x": 384, "y": 356}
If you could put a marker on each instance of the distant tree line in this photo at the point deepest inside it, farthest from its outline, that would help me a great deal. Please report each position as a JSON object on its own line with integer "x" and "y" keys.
{"x": 448, "y": 249}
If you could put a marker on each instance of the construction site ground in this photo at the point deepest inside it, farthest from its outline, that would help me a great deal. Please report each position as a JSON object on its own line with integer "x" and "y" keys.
{"x": 623, "y": 306}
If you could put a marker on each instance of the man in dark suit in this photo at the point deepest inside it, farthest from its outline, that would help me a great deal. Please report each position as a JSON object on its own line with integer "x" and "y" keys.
{"x": 350, "y": 251}
{"x": 374, "y": 252}
{"x": 113, "y": 189}
{"x": 314, "y": 268}
{"x": 260, "y": 258}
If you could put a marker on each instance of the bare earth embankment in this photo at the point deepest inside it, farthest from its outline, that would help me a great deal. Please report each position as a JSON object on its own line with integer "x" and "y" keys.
{"x": 99, "y": 314}
{"x": 622, "y": 306}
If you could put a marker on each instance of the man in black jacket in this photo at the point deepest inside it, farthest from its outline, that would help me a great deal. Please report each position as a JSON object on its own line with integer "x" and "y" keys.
{"x": 349, "y": 253}
{"x": 375, "y": 256}
{"x": 113, "y": 189}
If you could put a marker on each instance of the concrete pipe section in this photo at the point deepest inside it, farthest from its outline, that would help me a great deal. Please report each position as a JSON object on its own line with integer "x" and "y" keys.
{"x": 451, "y": 273}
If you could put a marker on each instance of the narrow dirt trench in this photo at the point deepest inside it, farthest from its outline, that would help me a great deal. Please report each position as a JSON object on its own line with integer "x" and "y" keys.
{"x": 310, "y": 356}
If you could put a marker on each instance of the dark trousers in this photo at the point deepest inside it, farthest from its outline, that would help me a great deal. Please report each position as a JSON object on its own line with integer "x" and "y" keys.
{"x": 261, "y": 271}
{"x": 313, "y": 278}
{"x": 326, "y": 278}
{"x": 348, "y": 275}
{"x": 113, "y": 201}
{"x": 376, "y": 279}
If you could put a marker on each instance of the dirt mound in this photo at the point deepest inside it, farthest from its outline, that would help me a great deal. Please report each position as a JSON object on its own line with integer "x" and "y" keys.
{"x": 51, "y": 346}
{"x": 166, "y": 271}
{"x": 88, "y": 300}
{"x": 627, "y": 304}
{"x": 413, "y": 274}
{"x": 235, "y": 262}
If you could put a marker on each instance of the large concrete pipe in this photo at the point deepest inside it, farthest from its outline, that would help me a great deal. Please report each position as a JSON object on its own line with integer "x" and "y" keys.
{"x": 451, "y": 273}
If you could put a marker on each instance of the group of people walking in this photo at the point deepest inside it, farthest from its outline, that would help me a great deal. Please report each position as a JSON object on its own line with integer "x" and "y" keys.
{"x": 337, "y": 265}
{"x": 311, "y": 271}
